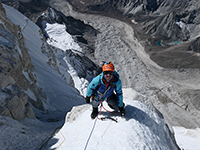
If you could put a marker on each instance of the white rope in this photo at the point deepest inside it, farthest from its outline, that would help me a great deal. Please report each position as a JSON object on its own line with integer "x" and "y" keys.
{"x": 90, "y": 134}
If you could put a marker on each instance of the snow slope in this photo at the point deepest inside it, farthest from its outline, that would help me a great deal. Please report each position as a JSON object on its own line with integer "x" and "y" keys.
{"x": 60, "y": 94}
{"x": 140, "y": 129}
{"x": 188, "y": 139}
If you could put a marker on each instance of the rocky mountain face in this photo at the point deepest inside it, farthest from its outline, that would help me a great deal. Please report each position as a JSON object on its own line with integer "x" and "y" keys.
{"x": 83, "y": 33}
{"x": 17, "y": 77}
{"x": 161, "y": 24}
{"x": 154, "y": 45}
{"x": 16, "y": 72}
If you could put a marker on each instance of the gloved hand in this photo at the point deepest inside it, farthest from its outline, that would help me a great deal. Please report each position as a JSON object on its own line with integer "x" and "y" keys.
{"x": 122, "y": 110}
{"x": 87, "y": 99}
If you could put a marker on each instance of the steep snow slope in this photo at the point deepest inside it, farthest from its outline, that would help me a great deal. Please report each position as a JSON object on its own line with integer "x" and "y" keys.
{"x": 57, "y": 90}
{"x": 61, "y": 97}
{"x": 140, "y": 129}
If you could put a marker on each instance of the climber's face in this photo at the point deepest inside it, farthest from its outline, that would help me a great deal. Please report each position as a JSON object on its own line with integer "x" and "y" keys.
{"x": 108, "y": 75}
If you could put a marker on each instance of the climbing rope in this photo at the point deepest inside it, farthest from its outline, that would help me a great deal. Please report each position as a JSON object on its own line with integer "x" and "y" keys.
{"x": 108, "y": 110}
{"x": 104, "y": 118}
{"x": 101, "y": 106}
{"x": 45, "y": 142}
{"x": 62, "y": 141}
{"x": 90, "y": 134}
{"x": 92, "y": 129}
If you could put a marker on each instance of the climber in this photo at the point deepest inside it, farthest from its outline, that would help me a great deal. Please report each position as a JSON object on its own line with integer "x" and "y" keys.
{"x": 102, "y": 88}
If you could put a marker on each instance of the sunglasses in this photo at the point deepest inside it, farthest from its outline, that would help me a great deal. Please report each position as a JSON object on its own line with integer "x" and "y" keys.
{"x": 108, "y": 72}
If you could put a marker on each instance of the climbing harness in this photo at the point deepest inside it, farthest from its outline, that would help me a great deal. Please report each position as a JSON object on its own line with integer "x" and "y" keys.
{"x": 102, "y": 95}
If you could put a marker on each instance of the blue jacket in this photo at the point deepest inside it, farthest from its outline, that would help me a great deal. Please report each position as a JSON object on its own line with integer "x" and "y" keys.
{"x": 103, "y": 92}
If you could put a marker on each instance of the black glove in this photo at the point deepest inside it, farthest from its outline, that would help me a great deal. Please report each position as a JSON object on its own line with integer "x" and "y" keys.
{"x": 87, "y": 99}
{"x": 122, "y": 110}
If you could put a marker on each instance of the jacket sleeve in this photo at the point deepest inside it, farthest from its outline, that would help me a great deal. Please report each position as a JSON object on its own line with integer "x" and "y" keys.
{"x": 119, "y": 93}
{"x": 93, "y": 84}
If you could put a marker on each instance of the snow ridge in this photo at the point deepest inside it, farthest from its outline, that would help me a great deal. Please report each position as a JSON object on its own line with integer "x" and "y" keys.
{"x": 140, "y": 129}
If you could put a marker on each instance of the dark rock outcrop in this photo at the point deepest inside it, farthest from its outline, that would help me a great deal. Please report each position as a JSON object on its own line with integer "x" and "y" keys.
{"x": 16, "y": 73}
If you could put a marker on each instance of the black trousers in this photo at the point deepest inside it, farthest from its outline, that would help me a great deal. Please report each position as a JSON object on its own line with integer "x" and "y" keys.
{"x": 112, "y": 102}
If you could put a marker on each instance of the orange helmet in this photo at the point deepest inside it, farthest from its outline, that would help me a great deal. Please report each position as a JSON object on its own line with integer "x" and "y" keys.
{"x": 108, "y": 67}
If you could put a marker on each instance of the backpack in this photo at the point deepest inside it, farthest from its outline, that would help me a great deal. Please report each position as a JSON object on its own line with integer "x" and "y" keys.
{"x": 99, "y": 68}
